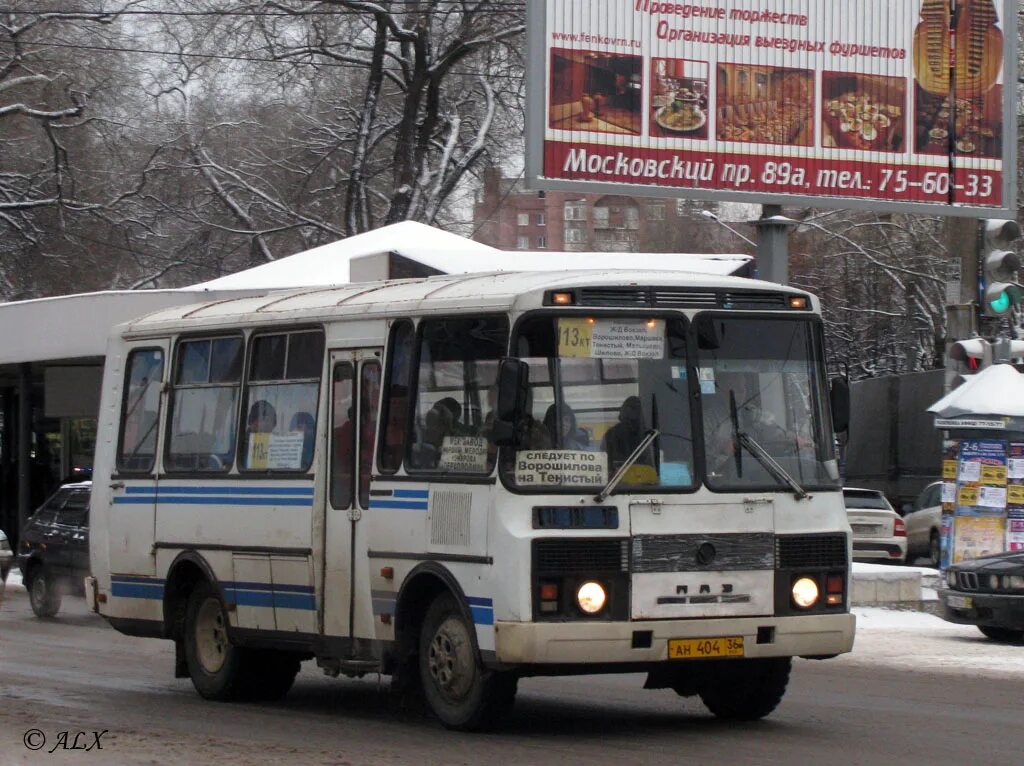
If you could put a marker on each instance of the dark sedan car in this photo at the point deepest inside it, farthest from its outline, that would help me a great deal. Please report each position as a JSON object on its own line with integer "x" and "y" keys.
{"x": 987, "y": 592}
{"x": 54, "y": 550}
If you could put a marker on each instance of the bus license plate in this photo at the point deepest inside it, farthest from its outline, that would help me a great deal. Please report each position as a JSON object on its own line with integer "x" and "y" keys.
{"x": 959, "y": 602}
{"x": 700, "y": 648}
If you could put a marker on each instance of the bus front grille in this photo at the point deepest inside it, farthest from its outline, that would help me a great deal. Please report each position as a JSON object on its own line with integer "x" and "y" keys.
{"x": 566, "y": 556}
{"x": 805, "y": 551}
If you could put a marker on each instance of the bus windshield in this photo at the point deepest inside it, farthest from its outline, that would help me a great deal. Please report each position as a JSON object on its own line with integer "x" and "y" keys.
{"x": 598, "y": 386}
{"x": 761, "y": 386}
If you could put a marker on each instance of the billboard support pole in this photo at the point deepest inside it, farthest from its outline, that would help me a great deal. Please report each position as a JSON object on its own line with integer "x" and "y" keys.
{"x": 773, "y": 244}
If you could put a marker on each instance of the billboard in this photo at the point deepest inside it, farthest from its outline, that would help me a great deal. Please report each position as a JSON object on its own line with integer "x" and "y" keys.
{"x": 878, "y": 104}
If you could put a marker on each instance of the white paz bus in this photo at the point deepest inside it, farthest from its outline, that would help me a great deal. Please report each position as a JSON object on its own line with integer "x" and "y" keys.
{"x": 464, "y": 480}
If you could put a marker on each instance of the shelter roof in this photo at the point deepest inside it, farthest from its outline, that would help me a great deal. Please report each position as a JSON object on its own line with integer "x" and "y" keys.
{"x": 996, "y": 390}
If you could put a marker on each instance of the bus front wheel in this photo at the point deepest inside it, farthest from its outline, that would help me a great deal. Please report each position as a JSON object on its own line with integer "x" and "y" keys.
{"x": 460, "y": 691}
{"x": 216, "y": 666}
{"x": 745, "y": 690}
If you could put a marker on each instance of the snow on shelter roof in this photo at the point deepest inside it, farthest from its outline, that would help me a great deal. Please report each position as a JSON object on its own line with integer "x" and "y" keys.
{"x": 996, "y": 390}
{"x": 331, "y": 264}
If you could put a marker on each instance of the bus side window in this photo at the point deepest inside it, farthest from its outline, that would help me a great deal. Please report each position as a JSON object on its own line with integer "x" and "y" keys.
{"x": 281, "y": 392}
{"x": 395, "y": 410}
{"x": 458, "y": 365}
{"x": 342, "y": 436}
{"x": 140, "y": 411}
{"x": 369, "y": 395}
{"x": 204, "y": 405}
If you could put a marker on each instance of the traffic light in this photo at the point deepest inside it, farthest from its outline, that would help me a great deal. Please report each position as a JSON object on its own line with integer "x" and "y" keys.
{"x": 973, "y": 352}
{"x": 999, "y": 267}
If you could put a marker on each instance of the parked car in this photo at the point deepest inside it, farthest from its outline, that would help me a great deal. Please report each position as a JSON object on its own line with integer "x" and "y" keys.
{"x": 987, "y": 592}
{"x": 924, "y": 520}
{"x": 6, "y": 557}
{"x": 54, "y": 549}
{"x": 878, "y": 531}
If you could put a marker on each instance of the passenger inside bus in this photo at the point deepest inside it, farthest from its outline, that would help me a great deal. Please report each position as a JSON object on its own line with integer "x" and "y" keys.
{"x": 439, "y": 422}
{"x": 565, "y": 434}
{"x": 626, "y": 435}
{"x": 262, "y": 418}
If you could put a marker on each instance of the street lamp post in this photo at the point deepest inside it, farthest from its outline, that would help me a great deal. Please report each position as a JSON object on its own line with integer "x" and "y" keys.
{"x": 711, "y": 216}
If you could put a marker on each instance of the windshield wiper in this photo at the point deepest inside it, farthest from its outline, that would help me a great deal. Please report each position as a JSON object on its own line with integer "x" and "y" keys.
{"x": 613, "y": 482}
{"x": 761, "y": 454}
{"x": 745, "y": 441}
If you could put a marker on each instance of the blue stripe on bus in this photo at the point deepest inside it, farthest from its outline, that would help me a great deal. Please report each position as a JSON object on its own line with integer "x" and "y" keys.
{"x": 219, "y": 490}
{"x": 482, "y": 609}
{"x": 137, "y": 578}
{"x": 422, "y": 494}
{"x": 411, "y": 505}
{"x": 269, "y": 586}
{"x": 270, "y": 599}
{"x": 153, "y": 590}
{"x": 240, "y": 593}
{"x": 164, "y": 499}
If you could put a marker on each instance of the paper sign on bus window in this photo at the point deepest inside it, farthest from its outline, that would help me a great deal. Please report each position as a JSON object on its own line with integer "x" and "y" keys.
{"x": 611, "y": 338}
{"x": 561, "y": 468}
{"x": 259, "y": 451}
{"x": 463, "y": 454}
{"x": 285, "y": 451}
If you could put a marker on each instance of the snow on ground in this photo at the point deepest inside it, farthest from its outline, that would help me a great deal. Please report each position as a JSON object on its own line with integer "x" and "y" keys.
{"x": 909, "y": 640}
{"x": 863, "y": 567}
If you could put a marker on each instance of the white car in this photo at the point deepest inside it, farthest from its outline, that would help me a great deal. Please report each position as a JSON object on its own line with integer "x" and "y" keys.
{"x": 879, "y": 534}
{"x": 924, "y": 521}
{"x": 6, "y": 557}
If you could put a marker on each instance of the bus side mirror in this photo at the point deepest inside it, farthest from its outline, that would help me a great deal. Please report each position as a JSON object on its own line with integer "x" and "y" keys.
{"x": 513, "y": 397}
{"x": 839, "y": 397}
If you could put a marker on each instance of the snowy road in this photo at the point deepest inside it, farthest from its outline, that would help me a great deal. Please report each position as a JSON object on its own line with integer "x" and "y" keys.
{"x": 915, "y": 690}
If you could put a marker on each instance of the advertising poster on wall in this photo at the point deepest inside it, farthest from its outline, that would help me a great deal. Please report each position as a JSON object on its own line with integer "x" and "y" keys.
{"x": 1015, "y": 481}
{"x": 861, "y": 103}
{"x": 981, "y": 477}
{"x": 977, "y": 536}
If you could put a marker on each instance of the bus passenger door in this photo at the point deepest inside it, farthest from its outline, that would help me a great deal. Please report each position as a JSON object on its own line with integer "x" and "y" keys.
{"x": 133, "y": 481}
{"x": 354, "y": 398}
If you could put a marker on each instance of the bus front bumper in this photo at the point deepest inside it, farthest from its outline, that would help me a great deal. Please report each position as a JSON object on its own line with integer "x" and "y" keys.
{"x": 569, "y": 643}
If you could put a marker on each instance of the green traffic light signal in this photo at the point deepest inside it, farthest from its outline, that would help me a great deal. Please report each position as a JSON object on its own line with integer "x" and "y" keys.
{"x": 999, "y": 267}
{"x": 1001, "y": 303}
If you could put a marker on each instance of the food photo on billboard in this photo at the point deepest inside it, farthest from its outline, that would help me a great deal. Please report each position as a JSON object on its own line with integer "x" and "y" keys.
{"x": 595, "y": 91}
{"x": 679, "y": 98}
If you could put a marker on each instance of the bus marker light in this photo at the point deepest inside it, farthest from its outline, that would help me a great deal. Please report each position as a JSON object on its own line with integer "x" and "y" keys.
{"x": 549, "y": 591}
{"x": 562, "y": 299}
{"x": 388, "y": 573}
{"x": 797, "y": 302}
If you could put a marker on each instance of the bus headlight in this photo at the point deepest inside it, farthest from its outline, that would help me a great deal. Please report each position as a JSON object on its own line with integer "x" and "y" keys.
{"x": 805, "y": 592}
{"x": 591, "y": 597}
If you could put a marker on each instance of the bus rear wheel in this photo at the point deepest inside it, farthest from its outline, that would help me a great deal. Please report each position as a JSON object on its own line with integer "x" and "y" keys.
{"x": 459, "y": 690}
{"x": 745, "y": 690}
{"x": 217, "y": 668}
